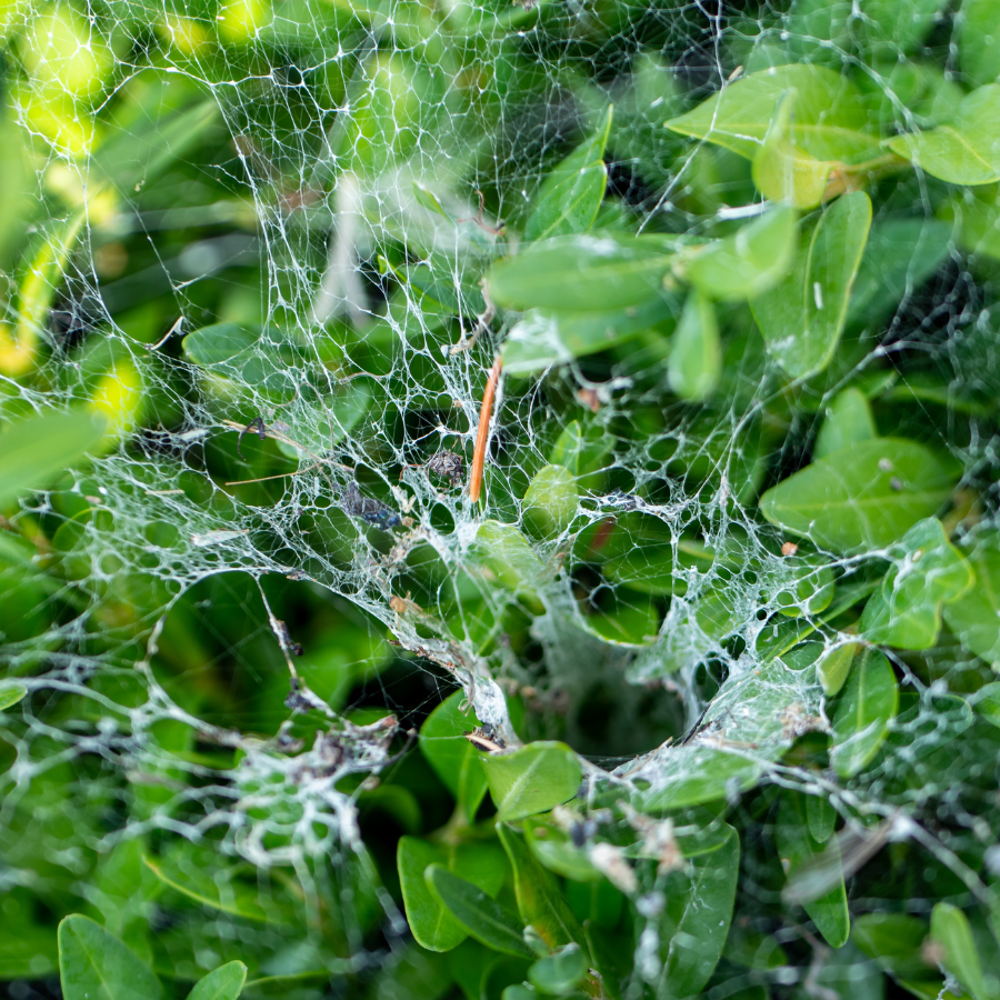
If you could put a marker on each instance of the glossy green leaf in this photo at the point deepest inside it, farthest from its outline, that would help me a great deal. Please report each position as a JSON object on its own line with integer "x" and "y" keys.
{"x": 975, "y": 616}
{"x": 555, "y": 849}
{"x": 551, "y": 500}
{"x": 220, "y": 342}
{"x": 34, "y": 451}
{"x": 540, "y": 900}
{"x": 928, "y": 573}
{"x": 964, "y": 152}
{"x": 796, "y": 847}
{"x": 225, "y": 983}
{"x": 560, "y": 972}
{"x": 751, "y": 261}
{"x": 895, "y": 940}
{"x": 821, "y": 818}
{"x": 483, "y": 918}
{"x": 10, "y": 696}
{"x": 781, "y": 171}
{"x": 834, "y": 666}
{"x": 950, "y": 929}
{"x": 803, "y": 318}
{"x": 543, "y": 339}
{"x": 847, "y": 420}
{"x": 452, "y": 756}
{"x": 696, "y": 352}
{"x": 589, "y": 273}
{"x": 979, "y": 41}
{"x": 572, "y": 191}
{"x": 829, "y": 120}
{"x": 861, "y": 497}
{"x": 533, "y": 779}
{"x": 434, "y": 926}
{"x": 95, "y": 965}
{"x": 867, "y": 706}
{"x": 696, "y": 919}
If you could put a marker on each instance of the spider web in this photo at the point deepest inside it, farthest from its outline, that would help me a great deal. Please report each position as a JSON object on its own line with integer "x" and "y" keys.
{"x": 308, "y": 196}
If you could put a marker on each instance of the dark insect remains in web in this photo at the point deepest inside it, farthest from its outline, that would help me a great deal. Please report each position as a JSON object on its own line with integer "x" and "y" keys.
{"x": 448, "y": 465}
{"x": 368, "y": 509}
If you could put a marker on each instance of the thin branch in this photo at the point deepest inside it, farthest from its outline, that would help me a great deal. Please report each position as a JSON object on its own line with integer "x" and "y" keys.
{"x": 479, "y": 455}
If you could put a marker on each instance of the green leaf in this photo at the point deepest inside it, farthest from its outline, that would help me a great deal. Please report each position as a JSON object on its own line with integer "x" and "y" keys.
{"x": 220, "y": 342}
{"x": 551, "y": 500}
{"x": 808, "y": 586}
{"x": 543, "y": 339}
{"x": 433, "y": 926}
{"x": 34, "y": 451}
{"x": 829, "y": 121}
{"x": 517, "y": 991}
{"x": 862, "y": 497}
{"x": 181, "y": 874}
{"x": 140, "y": 153}
{"x": 11, "y": 696}
{"x": 987, "y": 702}
{"x": 784, "y": 173}
{"x": 821, "y": 818}
{"x": 559, "y": 973}
{"x": 571, "y": 194}
{"x": 796, "y": 847}
{"x": 95, "y": 965}
{"x": 533, "y": 779}
{"x": 589, "y": 273}
{"x": 484, "y": 919}
{"x": 555, "y": 849}
{"x": 950, "y": 929}
{"x": 696, "y": 353}
{"x": 503, "y": 550}
{"x": 894, "y": 940}
{"x": 540, "y": 901}
{"x": 867, "y": 705}
{"x": 834, "y": 666}
{"x": 751, "y": 261}
{"x": 964, "y": 152}
{"x": 929, "y": 572}
{"x": 453, "y": 758}
{"x": 978, "y": 38}
{"x": 847, "y": 420}
{"x": 803, "y": 317}
{"x": 975, "y": 616}
{"x": 225, "y": 983}
{"x": 901, "y": 254}
{"x": 696, "y": 919}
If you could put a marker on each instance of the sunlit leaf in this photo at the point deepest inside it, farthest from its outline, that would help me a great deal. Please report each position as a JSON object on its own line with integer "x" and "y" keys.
{"x": 861, "y": 497}
{"x": 964, "y": 152}
{"x": 803, "y": 318}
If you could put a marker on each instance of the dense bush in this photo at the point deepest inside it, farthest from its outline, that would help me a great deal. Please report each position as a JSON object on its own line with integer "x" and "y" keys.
{"x": 500, "y": 500}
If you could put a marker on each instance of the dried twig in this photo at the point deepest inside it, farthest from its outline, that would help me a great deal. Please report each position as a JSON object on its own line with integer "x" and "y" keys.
{"x": 479, "y": 455}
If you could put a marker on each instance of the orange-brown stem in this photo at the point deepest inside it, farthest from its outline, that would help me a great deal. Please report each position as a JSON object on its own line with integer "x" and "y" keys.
{"x": 479, "y": 455}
